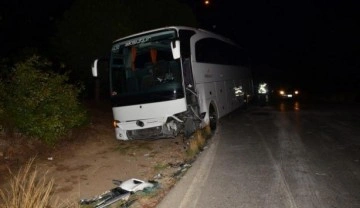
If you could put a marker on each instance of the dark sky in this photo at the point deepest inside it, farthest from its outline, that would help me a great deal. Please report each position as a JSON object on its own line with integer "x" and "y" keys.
{"x": 26, "y": 23}
{"x": 302, "y": 41}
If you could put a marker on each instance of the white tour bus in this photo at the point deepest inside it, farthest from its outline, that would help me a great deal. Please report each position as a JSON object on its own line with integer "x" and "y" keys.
{"x": 175, "y": 80}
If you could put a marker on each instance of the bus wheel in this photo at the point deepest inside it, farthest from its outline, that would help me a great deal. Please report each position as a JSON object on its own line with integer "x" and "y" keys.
{"x": 189, "y": 128}
{"x": 213, "y": 118}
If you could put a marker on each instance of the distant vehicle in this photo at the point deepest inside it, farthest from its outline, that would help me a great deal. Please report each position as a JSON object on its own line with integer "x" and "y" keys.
{"x": 175, "y": 80}
{"x": 286, "y": 92}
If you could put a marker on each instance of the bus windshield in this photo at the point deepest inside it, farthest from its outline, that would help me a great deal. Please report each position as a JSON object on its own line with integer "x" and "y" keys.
{"x": 142, "y": 70}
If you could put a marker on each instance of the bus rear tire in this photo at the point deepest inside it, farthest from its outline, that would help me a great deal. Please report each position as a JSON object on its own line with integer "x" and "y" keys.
{"x": 213, "y": 119}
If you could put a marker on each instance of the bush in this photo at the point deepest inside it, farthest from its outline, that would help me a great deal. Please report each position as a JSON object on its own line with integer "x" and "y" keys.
{"x": 40, "y": 103}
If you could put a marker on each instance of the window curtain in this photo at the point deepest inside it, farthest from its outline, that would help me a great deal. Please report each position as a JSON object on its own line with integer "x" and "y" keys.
{"x": 153, "y": 55}
{"x": 133, "y": 58}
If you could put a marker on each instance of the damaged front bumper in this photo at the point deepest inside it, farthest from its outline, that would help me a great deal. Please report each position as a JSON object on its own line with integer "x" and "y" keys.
{"x": 147, "y": 128}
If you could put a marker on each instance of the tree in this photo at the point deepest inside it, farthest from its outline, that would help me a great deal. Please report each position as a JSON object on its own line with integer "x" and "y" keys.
{"x": 89, "y": 27}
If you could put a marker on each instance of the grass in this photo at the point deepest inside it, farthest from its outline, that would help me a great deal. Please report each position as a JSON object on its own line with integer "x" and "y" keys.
{"x": 198, "y": 141}
{"x": 27, "y": 189}
{"x": 30, "y": 188}
{"x": 131, "y": 147}
{"x": 160, "y": 166}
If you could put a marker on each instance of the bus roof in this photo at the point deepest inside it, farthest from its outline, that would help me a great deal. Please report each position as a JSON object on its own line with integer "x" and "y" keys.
{"x": 177, "y": 28}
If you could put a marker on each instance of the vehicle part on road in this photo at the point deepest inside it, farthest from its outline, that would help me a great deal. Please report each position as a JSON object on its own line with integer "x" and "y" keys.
{"x": 120, "y": 193}
{"x": 134, "y": 185}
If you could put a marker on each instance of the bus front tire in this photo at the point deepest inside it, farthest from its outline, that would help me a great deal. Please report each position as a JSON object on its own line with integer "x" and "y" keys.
{"x": 213, "y": 118}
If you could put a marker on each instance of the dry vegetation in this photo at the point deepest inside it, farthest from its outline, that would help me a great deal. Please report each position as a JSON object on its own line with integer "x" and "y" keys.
{"x": 28, "y": 189}
{"x": 31, "y": 188}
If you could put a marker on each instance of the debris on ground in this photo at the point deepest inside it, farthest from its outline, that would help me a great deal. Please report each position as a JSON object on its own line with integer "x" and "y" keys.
{"x": 121, "y": 193}
{"x": 181, "y": 170}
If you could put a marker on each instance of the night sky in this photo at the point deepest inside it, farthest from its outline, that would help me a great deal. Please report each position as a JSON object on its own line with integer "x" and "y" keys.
{"x": 301, "y": 42}
{"x": 28, "y": 23}
{"x": 308, "y": 43}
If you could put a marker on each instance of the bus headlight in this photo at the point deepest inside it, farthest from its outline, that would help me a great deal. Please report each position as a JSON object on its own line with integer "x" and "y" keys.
{"x": 115, "y": 123}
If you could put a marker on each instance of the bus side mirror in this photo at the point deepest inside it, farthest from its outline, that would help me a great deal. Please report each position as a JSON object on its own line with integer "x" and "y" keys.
{"x": 94, "y": 68}
{"x": 175, "y": 48}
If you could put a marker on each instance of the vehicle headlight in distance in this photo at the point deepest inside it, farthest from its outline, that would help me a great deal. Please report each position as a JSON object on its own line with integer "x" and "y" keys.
{"x": 296, "y": 92}
{"x": 282, "y": 92}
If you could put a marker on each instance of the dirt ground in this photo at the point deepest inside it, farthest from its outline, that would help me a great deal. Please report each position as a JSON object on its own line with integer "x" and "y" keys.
{"x": 87, "y": 161}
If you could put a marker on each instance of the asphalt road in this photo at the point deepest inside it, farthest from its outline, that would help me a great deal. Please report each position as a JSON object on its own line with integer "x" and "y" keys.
{"x": 287, "y": 155}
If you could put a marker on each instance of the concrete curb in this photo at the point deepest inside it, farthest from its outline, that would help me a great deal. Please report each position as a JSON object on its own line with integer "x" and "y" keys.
{"x": 187, "y": 190}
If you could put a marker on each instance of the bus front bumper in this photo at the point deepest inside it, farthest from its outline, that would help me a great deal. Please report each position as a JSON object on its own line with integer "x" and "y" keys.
{"x": 147, "y": 129}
